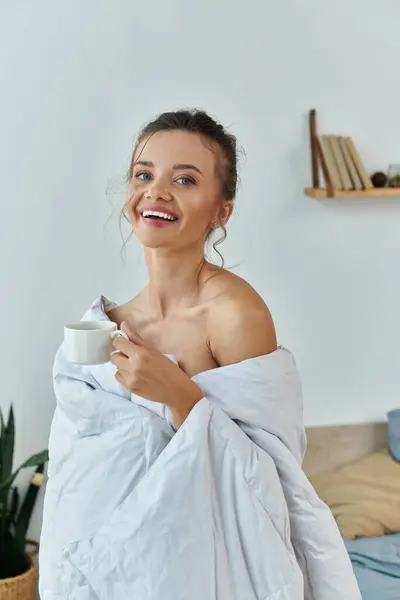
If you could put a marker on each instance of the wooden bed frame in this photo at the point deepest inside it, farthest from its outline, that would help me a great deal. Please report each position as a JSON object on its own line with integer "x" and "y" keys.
{"x": 332, "y": 447}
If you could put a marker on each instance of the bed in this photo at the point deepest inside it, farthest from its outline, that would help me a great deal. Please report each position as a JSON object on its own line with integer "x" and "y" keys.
{"x": 376, "y": 560}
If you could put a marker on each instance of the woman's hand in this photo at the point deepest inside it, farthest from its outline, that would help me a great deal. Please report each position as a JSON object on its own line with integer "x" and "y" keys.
{"x": 146, "y": 372}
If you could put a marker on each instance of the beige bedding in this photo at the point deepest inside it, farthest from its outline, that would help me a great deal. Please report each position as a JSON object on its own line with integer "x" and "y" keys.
{"x": 364, "y": 495}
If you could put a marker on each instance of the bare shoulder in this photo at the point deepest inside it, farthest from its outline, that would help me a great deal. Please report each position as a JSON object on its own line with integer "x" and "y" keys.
{"x": 240, "y": 325}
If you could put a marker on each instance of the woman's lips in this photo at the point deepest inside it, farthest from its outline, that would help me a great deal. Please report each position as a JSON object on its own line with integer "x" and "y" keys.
{"x": 158, "y": 216}
{"x": 151, "y": 222}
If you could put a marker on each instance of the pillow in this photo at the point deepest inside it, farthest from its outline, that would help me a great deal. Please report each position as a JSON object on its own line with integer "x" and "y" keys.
{"x": 364, "y": 496}
{"x": 394, "y": 433}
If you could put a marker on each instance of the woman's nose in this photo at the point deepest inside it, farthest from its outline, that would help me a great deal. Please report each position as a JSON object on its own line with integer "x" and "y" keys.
{"x": 158, "y": 190}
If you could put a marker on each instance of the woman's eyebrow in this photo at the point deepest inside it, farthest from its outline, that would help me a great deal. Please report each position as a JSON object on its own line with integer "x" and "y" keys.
{"x": 145, "y": 163}
{"x": 177, "y": 167}
{"x": 187, "y": 166}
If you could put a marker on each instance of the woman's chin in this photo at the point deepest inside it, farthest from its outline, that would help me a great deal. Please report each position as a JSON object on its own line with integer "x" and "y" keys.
{"x": 157, "y": 241}
{"x": 153, "y": 236}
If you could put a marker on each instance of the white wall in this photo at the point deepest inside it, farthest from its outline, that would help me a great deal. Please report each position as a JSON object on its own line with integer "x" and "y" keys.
{"x": 77, "y": 79}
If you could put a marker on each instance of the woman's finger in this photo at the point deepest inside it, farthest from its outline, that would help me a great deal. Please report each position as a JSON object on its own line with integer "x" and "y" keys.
{"x": 119, "y": 377}
{"x": 129, "y": 348}
{"x": 120, "y": 361}
{"x": 134, "y": 337}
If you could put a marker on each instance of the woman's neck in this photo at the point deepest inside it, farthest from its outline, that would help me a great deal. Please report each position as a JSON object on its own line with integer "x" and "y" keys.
{"x": 174, "y": 278}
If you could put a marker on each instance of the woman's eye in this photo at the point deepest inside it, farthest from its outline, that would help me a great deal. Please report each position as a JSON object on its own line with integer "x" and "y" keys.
{"x": 144, "y": 176}
{"x": 185, "y": 181}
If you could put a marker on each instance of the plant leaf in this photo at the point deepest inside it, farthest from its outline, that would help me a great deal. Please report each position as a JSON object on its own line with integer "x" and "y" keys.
{"x": 8, "y": 445}
{"x": 33, "y": 461}
{"x": 2, "y": 427}
{"x": 7, "y": 483}
{"x": 13, "y": 562}
{"x": 14, "y": 504}
{"x": 7, "y": 454}
{"x": 25, "y": 513}
{"x": 36, "y": 460}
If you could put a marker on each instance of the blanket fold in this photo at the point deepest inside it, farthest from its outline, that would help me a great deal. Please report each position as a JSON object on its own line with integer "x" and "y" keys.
{"x": 218, "y": 510}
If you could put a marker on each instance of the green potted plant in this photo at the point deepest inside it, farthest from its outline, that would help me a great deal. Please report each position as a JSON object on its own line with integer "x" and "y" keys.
{"x": 17, "y": 570}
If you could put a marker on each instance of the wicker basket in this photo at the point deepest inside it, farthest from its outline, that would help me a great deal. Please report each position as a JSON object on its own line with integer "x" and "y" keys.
{"x": 23, "y": 587}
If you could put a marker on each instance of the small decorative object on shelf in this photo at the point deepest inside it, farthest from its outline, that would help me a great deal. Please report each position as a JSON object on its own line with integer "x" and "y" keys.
{"x": 394, "y": 176}
{"x": 379, "y": 179}
{"x": 343, "y": 170}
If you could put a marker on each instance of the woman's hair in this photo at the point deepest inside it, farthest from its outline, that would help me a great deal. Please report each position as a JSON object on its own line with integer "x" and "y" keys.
{"x": 199, "y": 122}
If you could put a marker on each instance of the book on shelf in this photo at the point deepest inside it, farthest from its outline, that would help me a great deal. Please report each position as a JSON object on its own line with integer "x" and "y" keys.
{"x": 365, "y": 179}
{"x": 344, "y": 175}
{"x": 354, "y": 176}
{"x": 330, "y": 162}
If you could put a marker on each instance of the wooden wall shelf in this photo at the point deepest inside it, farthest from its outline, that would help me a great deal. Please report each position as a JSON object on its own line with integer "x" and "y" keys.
{"x": 375, "y": 193}
{"x": 329, "y": 191}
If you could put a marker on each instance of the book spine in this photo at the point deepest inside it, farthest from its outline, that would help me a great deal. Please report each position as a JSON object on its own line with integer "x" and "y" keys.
{"x": 340, "y": 163}
{"x": 330, "y": 162}
{"x": 365, "y": 179}
{"x": 355, "y": 178}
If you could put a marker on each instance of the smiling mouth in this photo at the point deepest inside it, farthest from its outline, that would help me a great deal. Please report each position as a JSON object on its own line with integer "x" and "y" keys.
{"x": 158, "y": 216}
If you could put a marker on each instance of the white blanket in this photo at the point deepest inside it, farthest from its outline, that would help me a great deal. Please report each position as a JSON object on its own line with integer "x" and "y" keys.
{"x": 219, "y": 510}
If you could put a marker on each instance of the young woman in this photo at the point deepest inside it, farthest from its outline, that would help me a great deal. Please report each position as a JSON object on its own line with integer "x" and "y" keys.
{"x": 182, "y": 185}
{"x": 193, "y": 488}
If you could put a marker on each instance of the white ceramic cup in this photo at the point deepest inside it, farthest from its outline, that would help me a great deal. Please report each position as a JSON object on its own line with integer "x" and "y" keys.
{"x": 90, "y": 342}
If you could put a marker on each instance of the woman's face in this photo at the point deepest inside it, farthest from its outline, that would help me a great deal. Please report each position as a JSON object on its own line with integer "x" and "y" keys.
{"x": 174, "y": 197}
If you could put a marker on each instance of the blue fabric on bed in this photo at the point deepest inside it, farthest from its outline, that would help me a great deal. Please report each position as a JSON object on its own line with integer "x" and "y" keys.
{"x": 376, "y": 563}
{"x": 394, "y": 433}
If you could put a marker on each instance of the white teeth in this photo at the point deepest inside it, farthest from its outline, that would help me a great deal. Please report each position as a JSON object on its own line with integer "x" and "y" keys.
{"x": 155, "y": 213}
